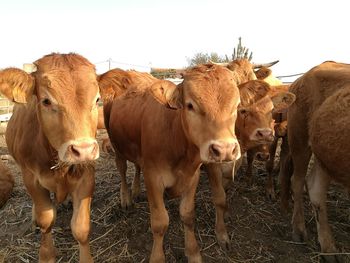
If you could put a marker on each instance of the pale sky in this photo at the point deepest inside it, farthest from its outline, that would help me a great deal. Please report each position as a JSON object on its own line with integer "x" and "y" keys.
{"x": 300, "y": 33}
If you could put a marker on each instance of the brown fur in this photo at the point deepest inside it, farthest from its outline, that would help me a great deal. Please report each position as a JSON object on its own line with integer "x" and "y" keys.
{"x": 60, "y": 114}
{"x": 6, "y": 183}
{"x": 144, "y": 131}
{"x": 318, "y": 123}
{"x": 115, "y": 82}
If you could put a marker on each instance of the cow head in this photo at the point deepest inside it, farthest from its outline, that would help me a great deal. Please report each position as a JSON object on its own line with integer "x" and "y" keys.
{"x": 65, "y": 91}
{"x": 208, "y": 99}
{"x": 259, "y": 100}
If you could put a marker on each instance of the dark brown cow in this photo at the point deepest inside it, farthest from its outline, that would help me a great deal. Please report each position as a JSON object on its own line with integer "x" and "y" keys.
{"x": 318, "y": 123}
{"x": 170, "y": 143}
{"x": 6, "y": 183}
{"x": 52, "y": 139}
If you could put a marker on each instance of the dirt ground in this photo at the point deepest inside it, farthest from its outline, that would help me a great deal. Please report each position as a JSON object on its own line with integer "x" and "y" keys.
{"x": 258, "y": 230}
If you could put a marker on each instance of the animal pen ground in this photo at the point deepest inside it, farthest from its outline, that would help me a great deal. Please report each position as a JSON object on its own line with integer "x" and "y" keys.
{"x": 259, "y": 232}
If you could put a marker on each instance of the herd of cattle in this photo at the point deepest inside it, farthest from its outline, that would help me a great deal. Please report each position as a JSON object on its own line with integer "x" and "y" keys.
{"x": 216, "y": 115}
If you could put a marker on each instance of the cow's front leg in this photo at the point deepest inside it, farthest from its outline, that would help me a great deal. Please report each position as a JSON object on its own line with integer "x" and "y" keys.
{"x": 219, "y": 199}
{"x": 80, "y": 223}
{"x": 44, "y": 213}
{"x": 187, "y": 216}
{"x": 159, "y": 215}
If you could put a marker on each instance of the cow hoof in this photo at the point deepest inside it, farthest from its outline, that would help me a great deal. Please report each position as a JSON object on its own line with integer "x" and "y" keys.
{"x": 224, "y": 242}
{"x": 126, "y": 206}
{"x": 225, "y": 245}
{"x": 300, "y": 237}
{"x": 195, "y": 259}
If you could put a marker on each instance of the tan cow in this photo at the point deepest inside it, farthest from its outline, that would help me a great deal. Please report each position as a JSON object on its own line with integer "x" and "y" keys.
{"x": 318, "y": 123}
{"x": 51, "y": 136}
{"x": 254, "y": 126}
{"x": 6, "y": 183}
{"x": 113, "y": 84}
{"x": 195, "y": 124}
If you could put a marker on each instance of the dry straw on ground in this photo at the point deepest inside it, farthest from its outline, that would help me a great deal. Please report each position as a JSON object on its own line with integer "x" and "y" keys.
{"x": 258, "y": 230}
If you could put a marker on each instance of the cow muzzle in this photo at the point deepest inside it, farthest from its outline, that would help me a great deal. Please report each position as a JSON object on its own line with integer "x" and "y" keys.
{"x": 79, "y": 151}
{"x": 263, "y": 135}
{"x": 222, "y": 151}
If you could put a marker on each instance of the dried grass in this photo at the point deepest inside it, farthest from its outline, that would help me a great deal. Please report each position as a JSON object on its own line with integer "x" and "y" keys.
{"x": 258, "y": 231}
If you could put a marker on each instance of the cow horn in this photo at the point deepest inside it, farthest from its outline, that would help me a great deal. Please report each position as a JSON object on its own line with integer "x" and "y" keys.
{"x": 224, "y": 64}
{"x": 29, "y": 67}
{"x": 265, "y": 65}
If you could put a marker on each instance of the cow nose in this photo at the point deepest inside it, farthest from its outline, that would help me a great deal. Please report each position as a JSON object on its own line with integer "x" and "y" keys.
{"x": 264, "y": 135}
{"x": 81, "y": 152}
{"x": 262, "y": 156}
{"x": 224, "y": 151}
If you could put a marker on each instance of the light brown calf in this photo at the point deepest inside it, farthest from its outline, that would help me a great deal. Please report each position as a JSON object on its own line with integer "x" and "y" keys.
{"x": 318, "y": 123}
{"x": 195, "y": 124}
{"x": 254, "y": 126}
{"x": 51, "y": 136}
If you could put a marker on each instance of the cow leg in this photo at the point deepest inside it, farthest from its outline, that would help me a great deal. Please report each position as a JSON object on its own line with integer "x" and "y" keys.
{"x": 187, "y": 216}
{"x": 136, "y": 183}
{"x": 249, "y": 171}
{"x": 270, "y": 186}
{"x": 125, "y": 198}
{"x": 159, "y": 215}
{"x": 44, "y": 214}
{"x": 80, "y": 222}
{"x": 285, "y": 174}
{"x": 219, "y": 200}
{"x": 318, "y": 183}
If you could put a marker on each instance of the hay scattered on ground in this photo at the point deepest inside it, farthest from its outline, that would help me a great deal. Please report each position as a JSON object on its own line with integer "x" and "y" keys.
{"x": 257, "y": 229}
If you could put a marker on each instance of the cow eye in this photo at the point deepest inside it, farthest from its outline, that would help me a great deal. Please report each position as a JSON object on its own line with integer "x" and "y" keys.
{"x": 243, "y": 111}
{"x": 190, "y": 106}
{"x": 98, "y": 100}
{"x": 46, "y": 102}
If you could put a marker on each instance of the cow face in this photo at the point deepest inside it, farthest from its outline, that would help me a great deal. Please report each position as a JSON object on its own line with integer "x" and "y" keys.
{"x": 66, "y": 93}
{"x": 255, "y": 123}
{"x": 208, "y": 100}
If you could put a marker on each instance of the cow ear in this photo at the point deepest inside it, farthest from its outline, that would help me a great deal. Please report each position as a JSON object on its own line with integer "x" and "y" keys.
{"x": 16, "y": 85}
{"x": 282, "y": 101}
{"x": 167, "y": 93}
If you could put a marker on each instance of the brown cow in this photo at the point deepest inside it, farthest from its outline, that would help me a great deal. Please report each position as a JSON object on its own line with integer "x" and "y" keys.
{"x": 52, "y": 139}
{"x": 318, "y": 123}
{"x": 6, "y": 183}
{"x": 254, "y": 126}
{"x": 113, "y": 84}
{"x": 170, "y": 143}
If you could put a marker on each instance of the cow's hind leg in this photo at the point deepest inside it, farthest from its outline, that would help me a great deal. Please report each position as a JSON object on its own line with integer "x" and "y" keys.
{"x": 44, "y": 214}
{"x": 80, "y": 222}
{"x": 219, "y": 200}
{"x": 125, "y": 198}
{"x": 187, "y": 216}
{"x": 270, "y": 185}
{"x": 318, "y": 183}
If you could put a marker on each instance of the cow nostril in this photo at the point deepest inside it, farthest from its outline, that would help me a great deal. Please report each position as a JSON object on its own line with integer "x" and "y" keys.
{"x": 74, "y": 151}
{"x": 214, "y": 150}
